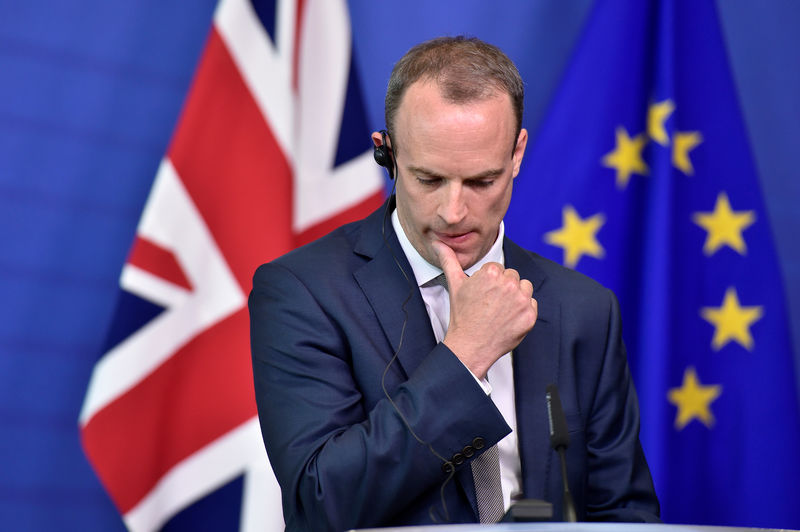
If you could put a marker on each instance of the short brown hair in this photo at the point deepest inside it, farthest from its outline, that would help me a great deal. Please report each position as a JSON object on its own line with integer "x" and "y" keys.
{"x": 465, "y": 68}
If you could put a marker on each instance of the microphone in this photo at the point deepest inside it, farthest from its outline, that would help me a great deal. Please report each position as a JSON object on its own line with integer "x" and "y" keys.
{"x": 559, "y": 441}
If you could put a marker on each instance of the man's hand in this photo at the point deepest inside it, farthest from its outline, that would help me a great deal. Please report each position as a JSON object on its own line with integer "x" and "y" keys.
{"x": 490, "y": 312}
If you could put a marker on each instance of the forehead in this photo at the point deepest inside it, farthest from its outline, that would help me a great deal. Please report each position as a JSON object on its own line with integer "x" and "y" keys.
{"x": 428, "y": 122}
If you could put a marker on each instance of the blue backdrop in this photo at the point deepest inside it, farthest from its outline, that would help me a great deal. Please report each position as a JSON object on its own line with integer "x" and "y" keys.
{"x": 89, "y": 93}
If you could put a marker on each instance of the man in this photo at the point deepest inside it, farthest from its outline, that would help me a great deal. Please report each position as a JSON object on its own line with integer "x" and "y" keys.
{"x": 390, "y": 396}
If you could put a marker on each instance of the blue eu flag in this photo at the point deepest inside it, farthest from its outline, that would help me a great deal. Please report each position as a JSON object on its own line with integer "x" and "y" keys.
{"x": 641, "y": 177}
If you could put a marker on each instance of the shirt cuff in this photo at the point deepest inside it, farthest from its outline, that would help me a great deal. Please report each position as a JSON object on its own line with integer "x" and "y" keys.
{"x": 484, "y": 382}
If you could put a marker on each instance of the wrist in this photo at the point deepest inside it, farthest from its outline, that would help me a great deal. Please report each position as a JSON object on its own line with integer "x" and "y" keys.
{"x": 469, "y": 355}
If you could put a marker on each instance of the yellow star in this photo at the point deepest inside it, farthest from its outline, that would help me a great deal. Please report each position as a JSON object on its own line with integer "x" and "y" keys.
{"x": 683, "y": 143}
{"x": 626, "y": 158}
{"x": 724, "y": 226}
{"x": 577, "y": 236}
{"x": 693, "y": 400}
{"x": 732, "y": 321}
{"x": 657, "y": 114}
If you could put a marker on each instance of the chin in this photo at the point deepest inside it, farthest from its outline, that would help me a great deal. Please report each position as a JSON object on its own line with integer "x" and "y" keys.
{"x": 466, "y": 260}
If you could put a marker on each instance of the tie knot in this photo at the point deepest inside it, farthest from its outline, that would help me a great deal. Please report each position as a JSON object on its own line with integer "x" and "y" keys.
{"x": 439, "y": 280}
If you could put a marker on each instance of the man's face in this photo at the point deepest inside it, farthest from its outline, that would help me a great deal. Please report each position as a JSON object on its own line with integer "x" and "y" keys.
{"x": 455, "y": 170}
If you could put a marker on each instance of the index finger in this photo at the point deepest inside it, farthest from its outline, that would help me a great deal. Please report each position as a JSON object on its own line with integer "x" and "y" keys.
{"x": 448, "y": 262}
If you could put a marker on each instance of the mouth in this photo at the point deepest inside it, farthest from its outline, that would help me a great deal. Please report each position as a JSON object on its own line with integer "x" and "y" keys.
{"x": 455, "y": 239}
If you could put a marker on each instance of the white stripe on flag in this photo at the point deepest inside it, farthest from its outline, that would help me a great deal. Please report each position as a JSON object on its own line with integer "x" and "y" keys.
{"x": 320, "y": 190}
{"x": 213, "y": 466}
{"x": 266, "y": 69}
{"x": 152, "y": 287}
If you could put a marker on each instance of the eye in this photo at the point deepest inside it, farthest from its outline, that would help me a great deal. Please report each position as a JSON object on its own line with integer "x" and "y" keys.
{"x": 481, "y": 183}
{"x": 429, "y": 181}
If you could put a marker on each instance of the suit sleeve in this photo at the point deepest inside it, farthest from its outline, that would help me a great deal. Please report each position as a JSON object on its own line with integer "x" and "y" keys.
{"x": 619, "y": 485}
{"x": 340, "y": 463}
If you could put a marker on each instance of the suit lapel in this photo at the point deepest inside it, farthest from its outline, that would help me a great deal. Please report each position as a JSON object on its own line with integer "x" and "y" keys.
{"x": 388, "y": 291}
{"x": 535, "y": 366}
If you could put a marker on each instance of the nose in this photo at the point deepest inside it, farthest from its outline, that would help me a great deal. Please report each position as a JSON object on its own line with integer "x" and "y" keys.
{"x": 452, "y": 205}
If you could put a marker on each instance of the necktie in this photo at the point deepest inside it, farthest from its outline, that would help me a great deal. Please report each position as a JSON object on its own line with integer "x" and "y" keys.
{"x": 485, "y": 468}
{"x": 489, "y": 493}
{"x": 440, "y": 280}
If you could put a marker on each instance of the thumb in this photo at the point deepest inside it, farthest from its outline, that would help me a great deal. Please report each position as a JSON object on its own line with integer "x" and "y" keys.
{"x": 448, "y": 262}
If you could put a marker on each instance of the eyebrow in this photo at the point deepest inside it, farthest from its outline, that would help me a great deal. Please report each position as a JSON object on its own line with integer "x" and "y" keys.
{"x": 494, "y": 172}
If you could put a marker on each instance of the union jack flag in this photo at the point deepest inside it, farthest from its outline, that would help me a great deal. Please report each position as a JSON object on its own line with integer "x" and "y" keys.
{"x": 270, "y": 151}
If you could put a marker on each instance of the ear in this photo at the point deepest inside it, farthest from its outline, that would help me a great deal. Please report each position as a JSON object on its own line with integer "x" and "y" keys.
{"x": 378, "y": 138}
{"x": 519, "y": 151}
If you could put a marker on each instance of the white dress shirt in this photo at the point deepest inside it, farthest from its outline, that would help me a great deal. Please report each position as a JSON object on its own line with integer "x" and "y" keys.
{"x": 499, "y": 384}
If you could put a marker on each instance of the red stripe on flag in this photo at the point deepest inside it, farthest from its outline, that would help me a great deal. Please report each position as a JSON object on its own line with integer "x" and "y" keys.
{"x": 356, "y": 212}
{"x": 197, "y": 395}
{"x": 158, "y": 261}
{"x": 233, "y": 168}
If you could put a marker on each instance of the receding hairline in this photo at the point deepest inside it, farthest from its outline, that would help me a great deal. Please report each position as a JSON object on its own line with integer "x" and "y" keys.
{"x": 489, "y": 95}
{"x": 465, "y": 69}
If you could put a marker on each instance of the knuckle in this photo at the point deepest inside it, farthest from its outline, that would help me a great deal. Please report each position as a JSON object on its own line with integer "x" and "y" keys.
{"x": 492, "y": 270}
{"x": 530, "y": 316}
{"x": 526, "y": 287}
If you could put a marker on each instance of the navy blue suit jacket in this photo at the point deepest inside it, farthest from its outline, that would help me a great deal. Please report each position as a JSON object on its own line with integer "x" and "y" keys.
{"x": 325, "y": 321}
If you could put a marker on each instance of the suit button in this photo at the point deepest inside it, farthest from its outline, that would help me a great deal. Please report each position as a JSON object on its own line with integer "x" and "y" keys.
{"x": 458, "y": 459}
{"x": 447, "y": 468}
{"x": 468, "y": 451}
{"x": 478, "y": 443}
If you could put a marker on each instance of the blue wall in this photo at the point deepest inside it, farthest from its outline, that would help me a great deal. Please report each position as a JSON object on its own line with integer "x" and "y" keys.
{"x": 89, "y": 93}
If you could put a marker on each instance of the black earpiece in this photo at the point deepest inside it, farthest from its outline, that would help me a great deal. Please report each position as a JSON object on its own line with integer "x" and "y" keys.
{"x": 383, "y": 155}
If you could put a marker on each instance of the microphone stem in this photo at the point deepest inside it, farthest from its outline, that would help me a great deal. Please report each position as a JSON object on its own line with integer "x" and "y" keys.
{"x": 569, "y": 506}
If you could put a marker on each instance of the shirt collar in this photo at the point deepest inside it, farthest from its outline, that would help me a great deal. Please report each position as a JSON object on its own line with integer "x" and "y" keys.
{"x": 424, "y": 271}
